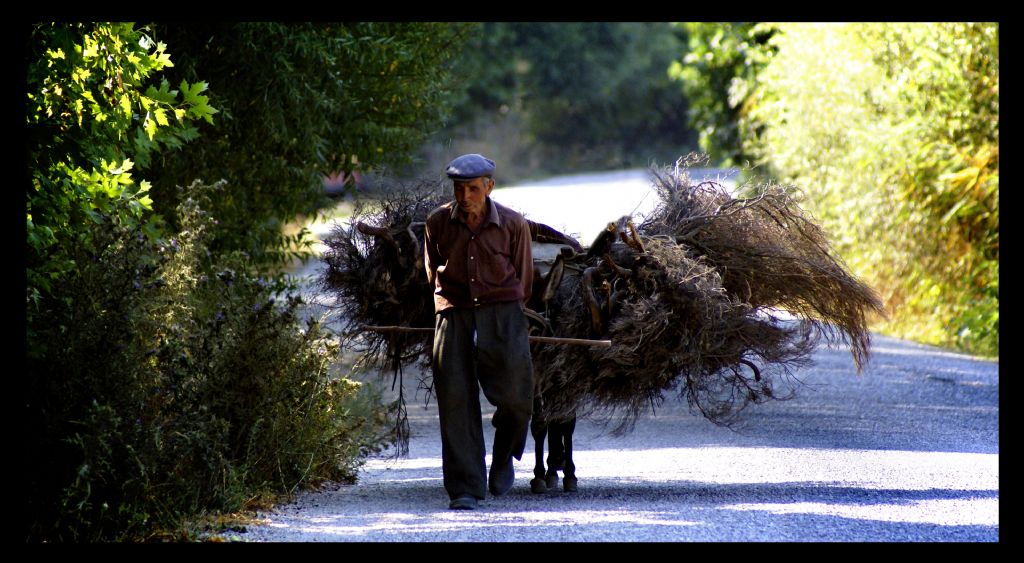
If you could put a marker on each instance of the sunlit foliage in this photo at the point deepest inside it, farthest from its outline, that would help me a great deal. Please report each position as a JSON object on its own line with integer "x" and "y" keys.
{"x": 894, "y": 128}
{"x": 718, "y": 76}
{"x": 97, "y": 109}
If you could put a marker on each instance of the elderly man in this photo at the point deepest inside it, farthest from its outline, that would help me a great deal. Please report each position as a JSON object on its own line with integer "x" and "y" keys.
{"x": 478, "y": 259}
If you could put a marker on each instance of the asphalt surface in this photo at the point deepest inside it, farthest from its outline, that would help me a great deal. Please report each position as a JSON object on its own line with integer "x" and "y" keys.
{"x": 906, "y": 451}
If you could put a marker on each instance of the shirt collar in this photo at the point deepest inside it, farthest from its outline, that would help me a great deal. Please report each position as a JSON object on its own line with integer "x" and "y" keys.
{"x": 492, "y": 213}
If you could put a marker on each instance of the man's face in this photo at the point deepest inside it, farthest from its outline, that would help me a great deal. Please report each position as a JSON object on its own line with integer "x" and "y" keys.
{"x": 471, "y": 195}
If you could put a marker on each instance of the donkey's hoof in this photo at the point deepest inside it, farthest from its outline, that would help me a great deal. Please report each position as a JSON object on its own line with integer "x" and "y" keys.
{"x": 569, "y": 484}
{"x": 552, "y": 480}
{"x": 538, "y": 486}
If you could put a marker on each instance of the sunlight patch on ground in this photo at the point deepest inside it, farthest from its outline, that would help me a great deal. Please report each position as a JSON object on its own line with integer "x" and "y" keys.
{"x": 958, "y": 512}
{"x": 903, "y": 350}
{"x": 582, "y": 205}
{"x": 684, "y": 487}
{"x": 320, "y": 230}
{"x": 913, "y": 470}
{"x": 583, "y": 211}
{"x": 406, "y": 523}
{"x": 403, "y": 463}
{"x": 869, "y": 469}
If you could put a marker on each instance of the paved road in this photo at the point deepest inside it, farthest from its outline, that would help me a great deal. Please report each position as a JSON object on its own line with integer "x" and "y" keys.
{"x": 907, "y": 451}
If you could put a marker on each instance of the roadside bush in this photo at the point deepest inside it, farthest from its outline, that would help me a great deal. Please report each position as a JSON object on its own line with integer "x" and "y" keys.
{"x": 162, "y": 380}
{"x": 168, "y": 384}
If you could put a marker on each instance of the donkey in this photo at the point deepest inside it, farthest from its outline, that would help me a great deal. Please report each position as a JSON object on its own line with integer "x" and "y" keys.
{"x": 551, "y": 251}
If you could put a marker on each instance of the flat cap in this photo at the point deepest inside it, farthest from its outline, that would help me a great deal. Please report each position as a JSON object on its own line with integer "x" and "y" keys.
{"x": 469, "y": 166}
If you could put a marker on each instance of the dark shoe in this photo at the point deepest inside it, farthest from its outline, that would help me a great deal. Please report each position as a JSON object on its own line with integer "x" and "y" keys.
{"x": 465, "y": 502}
{"x": 502, "y": 476}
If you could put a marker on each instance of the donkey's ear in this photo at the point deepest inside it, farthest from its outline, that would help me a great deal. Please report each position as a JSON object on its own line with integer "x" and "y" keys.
{"x": 553, "y": 279}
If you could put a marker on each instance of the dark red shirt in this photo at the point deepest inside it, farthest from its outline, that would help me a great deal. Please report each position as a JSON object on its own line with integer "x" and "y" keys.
{"x": 469, "y": 269}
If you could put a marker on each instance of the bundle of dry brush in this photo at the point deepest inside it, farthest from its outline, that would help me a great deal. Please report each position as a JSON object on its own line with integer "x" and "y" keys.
{"x": 689, "y": 297}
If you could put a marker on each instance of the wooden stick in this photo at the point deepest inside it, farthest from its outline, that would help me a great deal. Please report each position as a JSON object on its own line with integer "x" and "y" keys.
{"x": 575, "y": 341}
{"x": 544, "y": 339}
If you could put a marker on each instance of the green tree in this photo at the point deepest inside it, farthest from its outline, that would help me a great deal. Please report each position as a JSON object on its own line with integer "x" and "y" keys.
{"x": 893, "y": 130}
{"x": 569, "y": 96}
{"x": 300, "y": 101}
{"x": 719, "y": 80}
{"x": 96, "y": 110}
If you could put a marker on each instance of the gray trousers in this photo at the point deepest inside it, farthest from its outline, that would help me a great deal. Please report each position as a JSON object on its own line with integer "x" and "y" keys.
{"x": 487, "y": 345}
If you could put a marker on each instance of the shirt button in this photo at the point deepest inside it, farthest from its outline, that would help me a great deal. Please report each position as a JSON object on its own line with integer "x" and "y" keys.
{"x": 472, "y": 279}
{"x": 470, "y": 257}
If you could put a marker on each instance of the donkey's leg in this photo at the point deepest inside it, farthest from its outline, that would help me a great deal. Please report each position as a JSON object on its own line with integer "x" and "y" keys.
{"x": 556, "y": 455}
{"x": 569, "y": 481}
{"x": 539, "y": 429}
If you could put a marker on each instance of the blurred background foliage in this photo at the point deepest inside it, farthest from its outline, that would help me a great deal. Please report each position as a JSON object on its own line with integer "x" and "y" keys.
{"x": 557, "y": 98}
{"x": 170, "y": 369}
